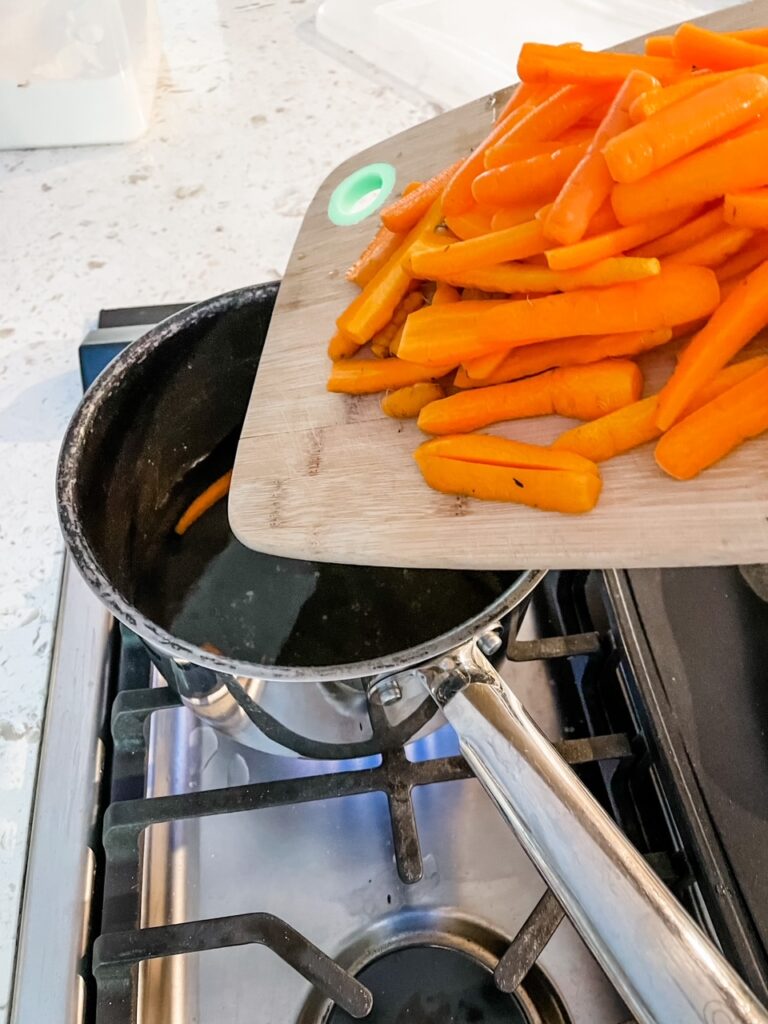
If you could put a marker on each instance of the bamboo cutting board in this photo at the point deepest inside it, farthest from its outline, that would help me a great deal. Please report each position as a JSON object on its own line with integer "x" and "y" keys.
{"x": 329, "y": 477}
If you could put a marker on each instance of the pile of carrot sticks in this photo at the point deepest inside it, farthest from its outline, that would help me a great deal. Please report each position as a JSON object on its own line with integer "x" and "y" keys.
{"x": 619, "y": 202}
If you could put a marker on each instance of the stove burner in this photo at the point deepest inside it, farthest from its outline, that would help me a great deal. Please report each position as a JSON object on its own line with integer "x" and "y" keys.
{"x": 433, "y": 985}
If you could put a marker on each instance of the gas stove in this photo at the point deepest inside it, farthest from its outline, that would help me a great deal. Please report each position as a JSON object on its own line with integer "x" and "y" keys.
{"x": 175, "y": 875}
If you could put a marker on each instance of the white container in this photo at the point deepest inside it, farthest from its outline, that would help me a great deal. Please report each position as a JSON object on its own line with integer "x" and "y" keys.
{"x": 76, "y": 72}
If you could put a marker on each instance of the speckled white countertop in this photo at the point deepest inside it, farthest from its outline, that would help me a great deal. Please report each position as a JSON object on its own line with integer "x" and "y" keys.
{"x": 250, "y": 116}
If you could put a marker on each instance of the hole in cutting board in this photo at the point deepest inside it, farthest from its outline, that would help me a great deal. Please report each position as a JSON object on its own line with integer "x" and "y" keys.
{"x": 361, "y": 194}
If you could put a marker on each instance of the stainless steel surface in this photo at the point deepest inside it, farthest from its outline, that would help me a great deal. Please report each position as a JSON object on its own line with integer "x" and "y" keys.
{"x": 328, "y": 869}
{"x": 664, "y": 966}
{"x": 47, "y": 984}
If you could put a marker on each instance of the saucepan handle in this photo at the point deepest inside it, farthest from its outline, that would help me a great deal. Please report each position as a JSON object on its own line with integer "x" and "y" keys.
{"x": 665, "y": 968}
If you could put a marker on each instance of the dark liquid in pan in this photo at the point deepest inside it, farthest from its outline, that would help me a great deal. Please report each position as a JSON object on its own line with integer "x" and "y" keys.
{"x": 207, "y": 588}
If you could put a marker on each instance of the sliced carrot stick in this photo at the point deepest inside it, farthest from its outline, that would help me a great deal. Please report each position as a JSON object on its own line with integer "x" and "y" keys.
{"x": 581, "y": 392}
{"x": 406, "y": 403}
{"x": 538, "y": 177}
{"x": 735, "y": 322}
{"x": 539, "y": 62}
{"x": 590, "y": 182}
{"x": 480, "y": 369}
{"x": 497, "y": 247}
{"x": 600, "y": 247}
{"x": 715, "y": 429}
{"x": 686, "y": 126}
{"x": 716, "y": 249}
{"x": 752, "y": 255}
{"x": 732, "y": 165}
{"x": 659, "y": 46}
{"x": 694, "y": 231}
{"x": 531, "y": 359}
{"x": 654, "y": 100}
{"x": 509, "y": 152}
{"x": 374, "y": 306}
{"x": 367, "y": 376}
{"x": 470, "y": 329}
{"x": 747, "y": 209}
{"x": 635, "y": 424}
{"x": 444, "y": 294}
{"x": 528, "y": 278}
{"x": 511, "y": 216}
{"x": 341, "y": 347}
{"x": 210, "y": 496}
{"x": 495, "y": 469}
{"x": 473, "y": 222}
{"x": 698, "y": 47}
{"x": 405, "y": 212}
{"x": 379, "y": 250}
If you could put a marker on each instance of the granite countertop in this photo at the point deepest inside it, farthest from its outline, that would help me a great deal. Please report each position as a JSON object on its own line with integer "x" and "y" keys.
{"x": 250, "y": 115}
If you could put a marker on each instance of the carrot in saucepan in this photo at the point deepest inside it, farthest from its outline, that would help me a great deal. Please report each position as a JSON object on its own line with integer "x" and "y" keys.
{"x": 210, "y": 496}
{"x": 539, "y": 62}
{"x": 495, "y": 469}
{"x": 635, "y": 424}
{"x": 732, "y": 165}
{"x": 537, "y": 177}
{"x": 714, "y": 430}
{"x": 406, "y": 211}
{"x": 686, "y": 126}
{"x": 532, "y": 359}
{"x": 747, "y": 209}
{"x": 590, "y": 182}
{"x": 470, "y": 329}
{"x": 699, "y": 47}
{"x": 581, "y": 392}
{"x": 734, "y": 323}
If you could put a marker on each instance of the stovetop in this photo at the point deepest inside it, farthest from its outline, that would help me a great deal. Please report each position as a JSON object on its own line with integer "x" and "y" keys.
{"x": 177, "y": 840}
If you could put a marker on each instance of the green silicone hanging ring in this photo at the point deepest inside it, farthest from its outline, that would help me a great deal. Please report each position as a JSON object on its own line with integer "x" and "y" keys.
{"x": 361, "y": 194}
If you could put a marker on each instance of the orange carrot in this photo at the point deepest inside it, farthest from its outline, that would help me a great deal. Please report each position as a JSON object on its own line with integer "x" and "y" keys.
{"x": 590, "y": 183}
{"x": 528, "y": 278}
{"x": 539, "y": 62}
{"x": 581, "y": 392}
{"x": 470, "y": 329}
{"x": 751, "y": 256}
{"x": 716, "y": 249}
{"x": 370, "y": 261}
{"x": 509, "y": 152}
{"x": 654, "y": 100}
{"x": 715, "y": 429}
{"x": 406, "y": 403}
{"x": 374, "y": 306}
{"x": 498, "y": 246}
{"x": 495, "y": 469}
{"x": 210, "y": 496}
{"x": 735, "y": 322}
{"x": 478, "y": 370}
{"x": 600, "y": 247}
{"x": 367, "y": 376}
{"x": 511, "y": 216}
{"x": 407, "y": 211}
{"x": 471, "y": 223}
{"x": 686, "y": 126}
{"x": 694, "y": 231}
{"x": 732, "y": 165}
{"x": 444, "y": 294}
{"x": 341, "y": 347}
{"x": 659, "y": 46}
{"x": 532, "y": 359}
{"x": 538, "y": 177}
{"x": 747, "y": 209}
{"x": 635, "y": 424}
{"x": 698, "y": 47}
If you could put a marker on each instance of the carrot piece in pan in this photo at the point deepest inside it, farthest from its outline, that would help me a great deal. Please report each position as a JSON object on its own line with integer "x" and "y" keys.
{"x": 590, "y": 182}
{"x": 582, "y": 392}
{"x": 469, "y": 329}
{"x": 635, "y": 424}
{"x": 699, "y": 47}
{"x": 747, "y": 209}
{"x": 714, "y": 430}
{"x": 539, "y": 62}
{"x": 686, "y": 126}
{"x": 734, "y": 323}
{"x": 495, "y": 469}
{"x": 732, "y": 165}
{"x": 406, "y": 211}
{"x": 531, "y": 359}
{"x": 210, "y": 496}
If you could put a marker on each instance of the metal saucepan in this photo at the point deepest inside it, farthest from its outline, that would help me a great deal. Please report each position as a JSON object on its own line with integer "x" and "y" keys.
{"x": 159, "y": 425}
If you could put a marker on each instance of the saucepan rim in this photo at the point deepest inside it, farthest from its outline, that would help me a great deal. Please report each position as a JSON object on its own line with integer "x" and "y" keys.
{"x": 90, "y": 407}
